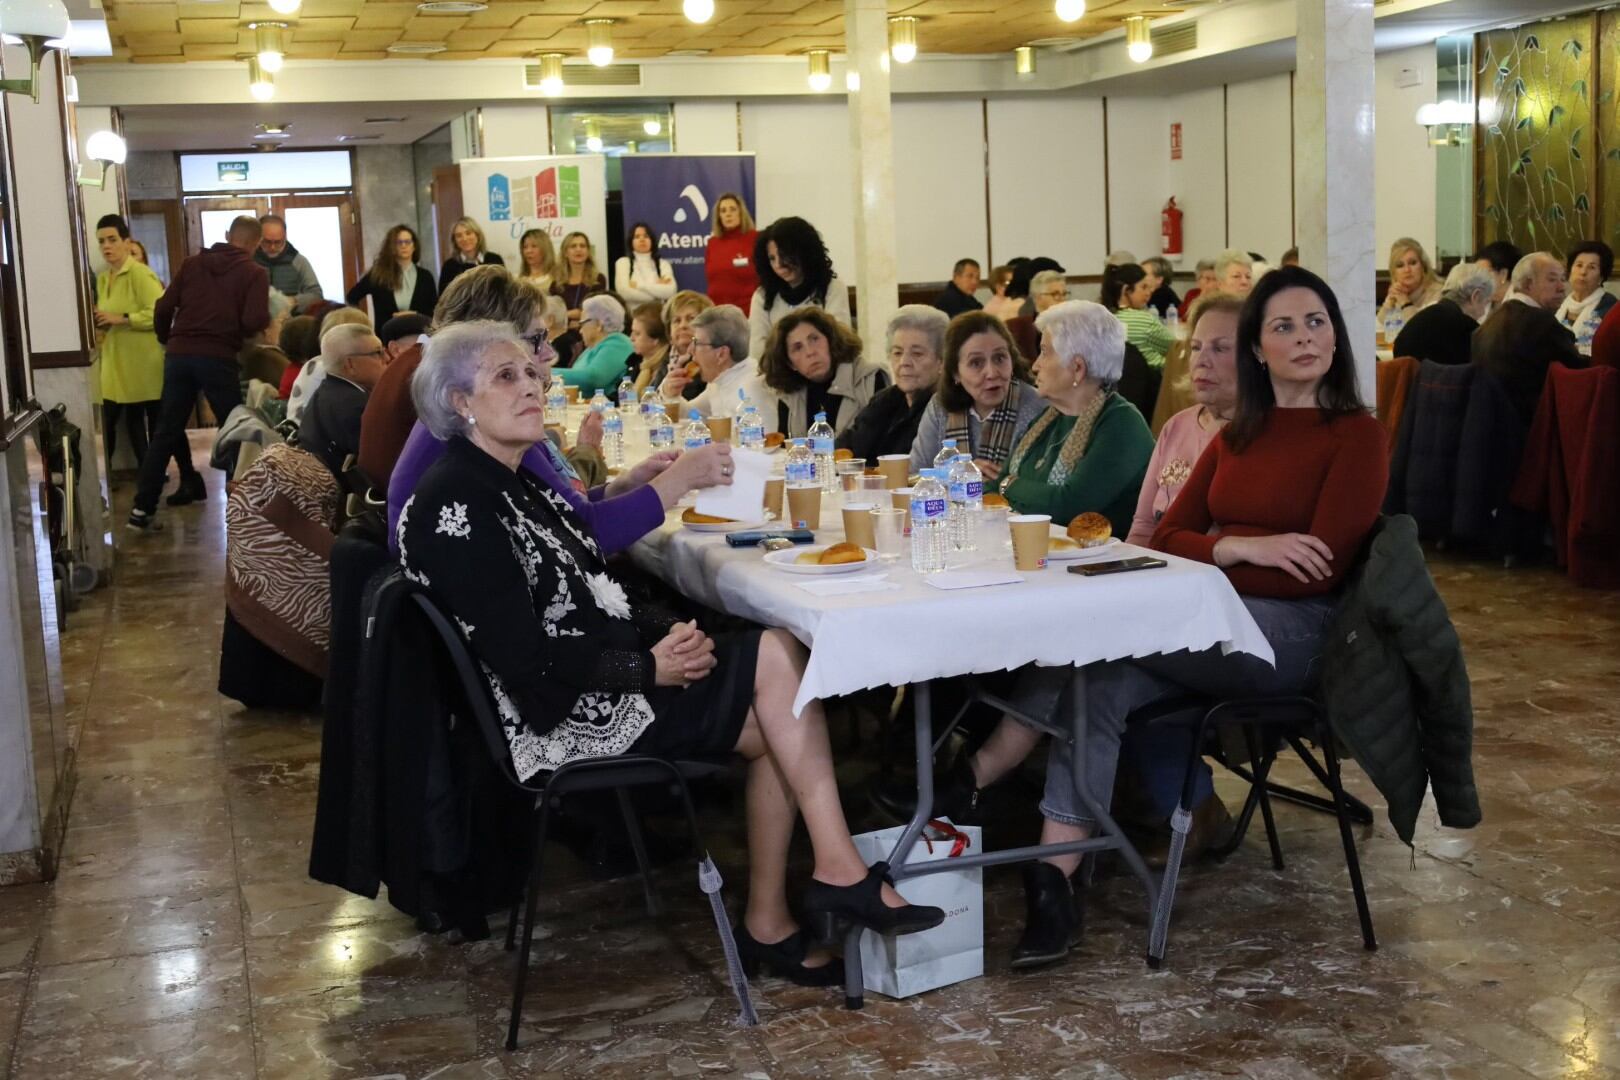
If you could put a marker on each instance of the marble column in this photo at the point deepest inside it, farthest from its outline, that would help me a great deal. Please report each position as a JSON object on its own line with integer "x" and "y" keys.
{"x": 866, "y": 37}
{"x": 1333, "y": 162}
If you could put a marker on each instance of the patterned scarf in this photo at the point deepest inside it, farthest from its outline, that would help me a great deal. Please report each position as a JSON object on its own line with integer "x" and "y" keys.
{"x": 995, "y": 432}
{"x": 1072, "y": 450}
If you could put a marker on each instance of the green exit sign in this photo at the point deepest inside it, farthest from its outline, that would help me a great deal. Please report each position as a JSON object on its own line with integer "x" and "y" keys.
{"x": 233, "y": 172}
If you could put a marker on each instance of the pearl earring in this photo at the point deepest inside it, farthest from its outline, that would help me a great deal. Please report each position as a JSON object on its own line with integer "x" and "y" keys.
{"x": 472, "y": 421}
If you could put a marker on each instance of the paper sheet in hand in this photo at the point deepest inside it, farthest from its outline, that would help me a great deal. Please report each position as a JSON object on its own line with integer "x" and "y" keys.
{"x": 743, "y": 500}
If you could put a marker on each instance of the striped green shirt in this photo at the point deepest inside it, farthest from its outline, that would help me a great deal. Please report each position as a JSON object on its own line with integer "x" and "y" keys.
{"x": 1144, "y": 330}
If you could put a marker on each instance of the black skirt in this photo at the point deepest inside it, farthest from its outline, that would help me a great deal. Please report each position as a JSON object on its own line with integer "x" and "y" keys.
{"x": 706, "y": 719}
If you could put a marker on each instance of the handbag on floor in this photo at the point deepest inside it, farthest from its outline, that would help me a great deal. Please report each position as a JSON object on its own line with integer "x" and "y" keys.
{"x": 951, "y": 952}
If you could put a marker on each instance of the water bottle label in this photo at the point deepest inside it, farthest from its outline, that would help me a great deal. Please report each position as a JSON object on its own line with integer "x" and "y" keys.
{"x": 959, "y": 492}
{"x": 614, "y": 426}
{"x": 927, "y": 510}
{"x": 821, "y": 446}
{"x": 800, "y": 472}
{"x": 975, "y": 490}
{"x": 696, "y": 444}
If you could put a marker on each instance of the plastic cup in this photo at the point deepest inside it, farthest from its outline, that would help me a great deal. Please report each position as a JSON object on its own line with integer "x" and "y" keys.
{"x": 858, "y": 524}
{"x": 872, "y": 488}
{"x": 889, "y": 533}
{"x": 672, "y": 409}
{"x": 895, "y": 470}
{"x": 573, "y": 394}
{"x": 849, "y": 474}
{"x": 773, "y": 496}
{"x": 804, "y": 507}
{"x": 901, "y": 500}
{"x": 1031, "y": 538}
{"x": 719, "y": 428}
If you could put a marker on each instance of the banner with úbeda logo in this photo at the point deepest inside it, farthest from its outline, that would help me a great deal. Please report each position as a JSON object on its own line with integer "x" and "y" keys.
{"x": 563, "y": 194}
{"x": 675, "y": 194}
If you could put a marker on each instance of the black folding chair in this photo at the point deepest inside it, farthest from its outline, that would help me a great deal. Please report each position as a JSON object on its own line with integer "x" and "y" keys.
{"x": 1263, "y": 722}
{"x": 547, "y": 790}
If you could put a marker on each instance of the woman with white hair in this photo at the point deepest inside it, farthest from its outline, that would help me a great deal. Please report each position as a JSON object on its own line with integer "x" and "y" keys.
{"x": 607, "y": 349}
{"x": 1444, "y": 331}
{"x": 577, "y": 669}
{"x": 1089, "y": 450}
{"x": 888, "y": 424}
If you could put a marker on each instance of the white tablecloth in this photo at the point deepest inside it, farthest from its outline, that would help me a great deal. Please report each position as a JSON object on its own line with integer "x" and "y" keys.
{"x": 918, "y": 632}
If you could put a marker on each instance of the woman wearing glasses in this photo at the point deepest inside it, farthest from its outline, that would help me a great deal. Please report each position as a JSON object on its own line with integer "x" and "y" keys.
{"x": 396, "y": 282}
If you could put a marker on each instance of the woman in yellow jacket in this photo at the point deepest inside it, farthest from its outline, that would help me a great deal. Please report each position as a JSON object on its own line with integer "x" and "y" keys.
{"x": 131, "y": 357}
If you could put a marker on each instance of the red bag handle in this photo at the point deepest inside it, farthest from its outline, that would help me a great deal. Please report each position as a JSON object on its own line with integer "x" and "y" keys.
{"x": 960, "y": 841}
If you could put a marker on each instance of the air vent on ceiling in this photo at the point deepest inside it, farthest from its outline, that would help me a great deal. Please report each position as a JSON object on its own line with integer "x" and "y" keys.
{"x": 586, "y": 75}
{"x": 417, "y": 48}
{"x": 358, "y": 138}
{"x": 386, "y": 119}
{"x": 1181, "y": 37}
{"x": 451, "y": 7}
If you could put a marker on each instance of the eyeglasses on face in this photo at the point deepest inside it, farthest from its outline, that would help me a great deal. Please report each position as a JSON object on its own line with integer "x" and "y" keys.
{"x": 698, "y": 343}
{"x": 536, "y": 340}
{"x": 404, "y": 241}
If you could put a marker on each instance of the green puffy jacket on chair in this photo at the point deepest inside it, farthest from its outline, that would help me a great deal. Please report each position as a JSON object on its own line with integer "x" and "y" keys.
{"x": 1395, "y": 685}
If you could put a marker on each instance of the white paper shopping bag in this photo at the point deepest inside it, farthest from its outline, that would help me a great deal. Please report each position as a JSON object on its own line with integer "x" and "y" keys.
{"x": 952, "y": 951}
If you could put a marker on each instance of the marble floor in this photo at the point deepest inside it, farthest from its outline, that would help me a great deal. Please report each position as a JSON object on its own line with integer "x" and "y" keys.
{"x": 183, "y": 938}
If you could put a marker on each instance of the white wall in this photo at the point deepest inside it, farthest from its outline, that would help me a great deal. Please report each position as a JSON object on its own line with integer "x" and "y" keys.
{"x": 1259, "y": 140}
{"x": 515, "y": 130}
{"x": 102, "y": 200}
{"x": 1404, "y": 190}
{"x": 1046, "y": 180}
{"x": 939, "y": 186}
{"x": 1198, "y": 180}
{"x": 803, "y": 168}
{"x": 1138, "y": 176}
{"x": 706, "y": 127}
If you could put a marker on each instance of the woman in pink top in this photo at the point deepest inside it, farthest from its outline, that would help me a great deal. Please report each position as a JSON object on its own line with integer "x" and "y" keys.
{"x": 1212, "y": 354}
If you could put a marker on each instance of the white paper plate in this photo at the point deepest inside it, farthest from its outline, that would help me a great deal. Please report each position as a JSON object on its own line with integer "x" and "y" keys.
{"x": 720, "y": 526}
{"x": 1080, "y": 554}
{"x": 786, "y": 560}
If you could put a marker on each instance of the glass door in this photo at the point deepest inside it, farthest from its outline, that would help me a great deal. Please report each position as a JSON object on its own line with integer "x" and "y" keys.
{"x": 324, "y": 228}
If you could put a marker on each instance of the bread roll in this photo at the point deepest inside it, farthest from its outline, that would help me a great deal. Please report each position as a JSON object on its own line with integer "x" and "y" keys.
{"x": 774, "y": 439}
{"x": 843, "y": 454}
{"x": 844, "y": 552}
{"x": 1090, "y": 529}
{"x": 991, "y": 499}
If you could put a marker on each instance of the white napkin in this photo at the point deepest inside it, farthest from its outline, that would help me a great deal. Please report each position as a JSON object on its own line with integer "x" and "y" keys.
{"x": 745, "y": 498}
{"x": 972, "y": 579}
{"x": 846, "y": 586}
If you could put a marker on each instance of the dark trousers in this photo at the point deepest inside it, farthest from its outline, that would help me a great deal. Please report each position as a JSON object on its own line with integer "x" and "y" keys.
{"x": 140, "y": 419}
{"x": 183, "y": 378}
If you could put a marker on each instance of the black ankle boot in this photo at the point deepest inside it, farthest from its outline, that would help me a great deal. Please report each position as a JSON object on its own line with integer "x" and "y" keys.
{"x": 192, "y": 489}
{"x": 1053, "y": 921}
{"x": 831, "y": 909}
{"x": 956, "y": 795}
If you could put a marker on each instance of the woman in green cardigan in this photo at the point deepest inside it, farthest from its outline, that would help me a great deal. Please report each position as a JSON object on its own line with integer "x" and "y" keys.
{"x": 607, "y": 351}
{"x": 1089, "y": 450}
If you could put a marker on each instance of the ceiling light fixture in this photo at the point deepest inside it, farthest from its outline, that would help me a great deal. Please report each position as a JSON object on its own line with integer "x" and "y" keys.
{"x": 1024, "y": 60}
{"x": 820, "y": 70}
{"x": 285, "y": 7}
{"x": 599, "y": 35}
{"x": 551, "y": 73}
{"x": 1071, "y": 10}
{"x": 261, "y": 83}
{"x": 698, "y": 11}
{"x": 269, "y": 44}
{"x": 1138, "y": 39}
{"x": 41, "y": 24}
{"x": 903, "y": 38}
{"x": 652, "y": 127}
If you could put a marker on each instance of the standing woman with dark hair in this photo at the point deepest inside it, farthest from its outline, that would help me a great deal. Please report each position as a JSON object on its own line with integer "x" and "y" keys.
{"x": 1590, "y": 264}
{"x": 575, "y": 279}
{"x": 728, "y": 263}
{"x": 642, "y": 276}
{"x": 395, "y": 282}
{"x": 1126, "y": 290}
{"x": 795, "y": 271}
{"x": 467, "y": 250}
{"x": 131, "y": 367}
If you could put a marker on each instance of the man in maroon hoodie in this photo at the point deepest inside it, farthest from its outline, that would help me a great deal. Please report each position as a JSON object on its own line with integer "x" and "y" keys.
{"x": 220, "y": 298}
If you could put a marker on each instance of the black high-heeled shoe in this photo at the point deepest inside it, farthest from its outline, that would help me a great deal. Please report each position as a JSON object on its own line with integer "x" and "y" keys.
{"x": 785, "y": 958}
{"x": 831, "y": 909}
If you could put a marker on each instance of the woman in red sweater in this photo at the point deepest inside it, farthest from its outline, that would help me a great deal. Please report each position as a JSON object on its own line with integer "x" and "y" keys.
{"x": 729, "y": 262}
{"x": 1283, "y": 500}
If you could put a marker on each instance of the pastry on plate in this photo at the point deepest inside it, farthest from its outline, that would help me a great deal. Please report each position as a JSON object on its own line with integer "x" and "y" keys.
{"x": 992, "y": 499}
{"x": 1090, "y": 529}
{"x": 774, "y": 439}
{"x": 832, "y": 556}
{"x": 692, "y": 517}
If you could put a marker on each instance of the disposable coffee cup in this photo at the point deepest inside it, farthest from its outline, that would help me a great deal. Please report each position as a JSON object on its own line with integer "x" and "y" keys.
{"x": 1031, "y": 537}
{"x": 573, "y": 394}
{"x": 773, "y": 496}
{"x": 858, "y": 525}
{"x": 719, "y": 428}
{"x": 895, "y": 469}
{"x": 804, "y": 507}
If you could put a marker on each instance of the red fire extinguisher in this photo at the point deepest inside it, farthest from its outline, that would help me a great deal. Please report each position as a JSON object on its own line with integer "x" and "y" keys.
{"x": 1170, "y": 228}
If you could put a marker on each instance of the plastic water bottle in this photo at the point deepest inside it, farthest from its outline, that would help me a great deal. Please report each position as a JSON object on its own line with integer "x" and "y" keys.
{"x": 966, "y": 489}
{"x": 800, "y": 470}
{"x": 750, "y": 425}
{"x": 821, "y": 445}
{"x": 929, "y": 523}
{"x": 613, "y": 436}
{"x": 695, "y": 435}
{"x": 947, "y": 454}
{"x": 599, "y": 401}
{"x": 660, "y": 428}
{"x": 627, "y": 394}
{"x": 556, "y": 403}
{"x": 1172, "y": 319}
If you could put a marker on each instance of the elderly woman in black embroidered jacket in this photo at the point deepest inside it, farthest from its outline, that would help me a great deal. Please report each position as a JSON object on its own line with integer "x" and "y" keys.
{"x": 577, "y": 670}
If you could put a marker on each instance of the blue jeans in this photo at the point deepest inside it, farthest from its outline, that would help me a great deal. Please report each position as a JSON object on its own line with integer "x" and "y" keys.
{"x": 1111, "y": 691}
{"x": 184, "y": 377}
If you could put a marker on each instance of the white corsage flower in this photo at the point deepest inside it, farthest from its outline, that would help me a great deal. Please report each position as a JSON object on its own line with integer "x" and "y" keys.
{"x": 609, "y": 595}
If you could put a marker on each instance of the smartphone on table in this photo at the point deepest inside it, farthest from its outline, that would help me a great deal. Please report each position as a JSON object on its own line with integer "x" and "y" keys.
{"x": 1117, "y": 566}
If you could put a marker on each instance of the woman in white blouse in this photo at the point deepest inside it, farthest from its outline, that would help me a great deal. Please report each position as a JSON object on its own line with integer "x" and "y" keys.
{"x": 641, "y": 277}
{"x": 1590, "y": 264}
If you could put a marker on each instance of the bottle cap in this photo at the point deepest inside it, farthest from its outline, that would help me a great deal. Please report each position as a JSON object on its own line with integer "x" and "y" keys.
{"x": 692, "y": 414}
{"x": 947, "y": 442}
{"x": 821, "y": 416}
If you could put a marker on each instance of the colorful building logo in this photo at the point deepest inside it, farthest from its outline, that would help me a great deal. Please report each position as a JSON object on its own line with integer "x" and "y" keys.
{"x": 557, "y": 192}
{"x": 500, "y": 198}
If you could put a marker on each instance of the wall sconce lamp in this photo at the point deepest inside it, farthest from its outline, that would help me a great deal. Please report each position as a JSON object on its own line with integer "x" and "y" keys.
{"x": 1450, "y": 123}
{"x": 106, "y": 148}
{"x": 41, "y": 24}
